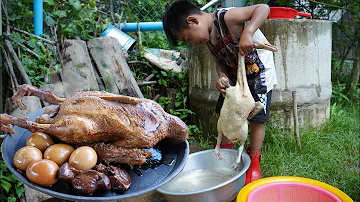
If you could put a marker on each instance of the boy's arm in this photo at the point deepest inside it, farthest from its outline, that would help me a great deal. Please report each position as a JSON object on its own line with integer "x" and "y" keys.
{"x": 222, "y": 71}
{"x": 236, "y": 17}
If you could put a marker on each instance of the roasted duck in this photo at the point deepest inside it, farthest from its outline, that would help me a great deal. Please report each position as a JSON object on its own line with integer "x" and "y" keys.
{"x": 116, "y": 126}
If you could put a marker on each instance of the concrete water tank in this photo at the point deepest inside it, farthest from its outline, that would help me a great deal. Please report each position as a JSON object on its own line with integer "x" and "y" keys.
{"x": 303, "y": 64}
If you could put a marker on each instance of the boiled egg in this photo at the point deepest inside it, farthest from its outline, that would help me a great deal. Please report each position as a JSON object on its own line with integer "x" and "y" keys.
{"x": 83, "y": 158}
{"x": 39, "y": 140}
{"x": 26, "y": 155}
{"x": 59, "y": 153}
{"x": 43, "y": 172}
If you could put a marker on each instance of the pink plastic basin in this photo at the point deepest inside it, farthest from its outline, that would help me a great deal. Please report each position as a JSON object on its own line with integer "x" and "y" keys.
{"x": 291, "y": 192}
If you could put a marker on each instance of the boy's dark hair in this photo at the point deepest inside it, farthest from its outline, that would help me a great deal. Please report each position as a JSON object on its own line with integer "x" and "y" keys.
{"x": 174, "y": 18}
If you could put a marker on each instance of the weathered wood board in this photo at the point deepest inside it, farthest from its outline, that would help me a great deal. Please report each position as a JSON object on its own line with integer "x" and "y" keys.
{"x": 113, "y": 68}
{"x": 78, "y": 71}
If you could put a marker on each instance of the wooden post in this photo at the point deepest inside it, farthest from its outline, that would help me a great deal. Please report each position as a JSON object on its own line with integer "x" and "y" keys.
{"x": 296, "y": 124}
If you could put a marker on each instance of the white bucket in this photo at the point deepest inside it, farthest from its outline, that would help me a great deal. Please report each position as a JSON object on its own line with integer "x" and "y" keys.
{"x": 127, "y": 42}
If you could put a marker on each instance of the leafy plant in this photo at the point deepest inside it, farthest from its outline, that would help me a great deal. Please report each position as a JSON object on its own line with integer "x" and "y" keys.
{"x": 10, "y": 187}
{"x": 337, "y": 96}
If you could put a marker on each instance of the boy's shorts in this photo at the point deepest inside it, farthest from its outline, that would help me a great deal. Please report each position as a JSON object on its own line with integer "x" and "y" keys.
{"x": 263, "y": 115}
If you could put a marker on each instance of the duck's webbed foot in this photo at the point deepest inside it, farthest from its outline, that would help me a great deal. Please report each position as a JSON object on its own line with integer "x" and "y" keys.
{"x": 266, "y": 46}
{"x": 5, "y": 121}
{"x": 217, "y": 147}
{"x": 28, "y": 90}
{"x": 218, "y": 154}
{"x": 236, "y": 164}
{"x": 258, "y": 107}
{"x": 225, "y": 82}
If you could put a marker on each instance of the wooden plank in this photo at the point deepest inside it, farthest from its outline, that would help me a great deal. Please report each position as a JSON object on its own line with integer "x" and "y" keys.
{"x": 78, "y": 71}
{"x": 113, "y": 68}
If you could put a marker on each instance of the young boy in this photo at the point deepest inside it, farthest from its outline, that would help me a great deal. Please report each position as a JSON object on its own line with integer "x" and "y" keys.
{"x": 226, "y": 32}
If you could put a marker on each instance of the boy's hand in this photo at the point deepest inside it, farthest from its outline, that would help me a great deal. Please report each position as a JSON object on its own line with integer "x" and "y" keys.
{"x": 246, "y": 43}
{"x": 220, "y": 86}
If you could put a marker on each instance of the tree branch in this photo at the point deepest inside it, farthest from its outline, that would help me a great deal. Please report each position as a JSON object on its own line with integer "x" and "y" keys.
{"x": 149, "y": 77}
{"x": 123, "y": 25}
{"x": 10, "y": 68}
{"x": 329, "y": 5}
{"x": 42, "y": 39}
{"x": 17, "y": 62}
{"x": 98, "y": 23}
{"x": 3, "y": 5}
{"x": 121, "y": 15}
{"x": 141, "y": 62}
{"x": 20, "y": 44}
{"x": 12, "y": 51}
{"x": 142, "y": 83}
{"x": 112, "y": 12}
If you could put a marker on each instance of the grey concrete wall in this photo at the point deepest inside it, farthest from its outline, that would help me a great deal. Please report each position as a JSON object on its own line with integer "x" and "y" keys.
{"x": 203, "y": 94}
{"x": 303, "y": 64}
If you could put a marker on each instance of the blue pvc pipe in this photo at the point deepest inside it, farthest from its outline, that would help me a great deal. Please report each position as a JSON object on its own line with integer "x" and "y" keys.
{"x": 144, "y": 26}
{"x": 38, "y": 17}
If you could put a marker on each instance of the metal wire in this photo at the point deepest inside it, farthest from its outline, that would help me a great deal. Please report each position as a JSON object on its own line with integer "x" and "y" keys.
{"x": 145, "y": 10}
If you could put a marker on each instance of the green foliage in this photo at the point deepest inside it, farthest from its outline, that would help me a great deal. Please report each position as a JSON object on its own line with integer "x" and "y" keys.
{"x": 155, "y": 39}
{"x": 75, "y": 18}
{"x": 340, "y": 98}
{"x": 196, "y": 135}
{"x": 337, "y": 96}
{"x": 10, "y": 187}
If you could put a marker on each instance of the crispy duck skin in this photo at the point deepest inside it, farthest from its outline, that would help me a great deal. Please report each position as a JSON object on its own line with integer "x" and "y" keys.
{"x": 97, "y": 116}
{"x": 113, "y": 153}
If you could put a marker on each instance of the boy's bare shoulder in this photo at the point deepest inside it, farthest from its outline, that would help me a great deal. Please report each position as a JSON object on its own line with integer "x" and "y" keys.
{"x": 235, "y": 20}
{"x": 239, "y": 15}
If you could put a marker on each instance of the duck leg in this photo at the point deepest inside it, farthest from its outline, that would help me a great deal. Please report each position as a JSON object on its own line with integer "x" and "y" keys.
{"x": 266, "y": 46}
{"x": 258, "y": 107}
{"x": 28, "y": 90}
{"x": 238, "y": 159}
{"x": 7, "y": 120}
{"x": 218, "y": 142}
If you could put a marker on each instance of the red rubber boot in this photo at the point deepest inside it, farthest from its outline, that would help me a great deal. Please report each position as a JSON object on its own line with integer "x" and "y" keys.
{"x": 253, "y": 173}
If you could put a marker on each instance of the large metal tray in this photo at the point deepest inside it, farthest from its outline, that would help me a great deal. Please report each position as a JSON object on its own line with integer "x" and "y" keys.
{"x": 151, "y": 179}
